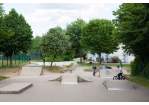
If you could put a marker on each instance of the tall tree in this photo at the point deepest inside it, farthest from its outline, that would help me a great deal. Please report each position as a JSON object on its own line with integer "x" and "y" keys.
{"x": 4, "y": 33}
{"x": 74, "y": 31}
{"x": 54, "y": 42}
{"x": 21, "y": 40}
{"x": 97, "y": 37}
{"x": 132, "y": 22}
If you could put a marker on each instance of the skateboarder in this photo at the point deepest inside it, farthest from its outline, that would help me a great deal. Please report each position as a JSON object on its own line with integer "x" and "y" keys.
{"x": 94, "y": 69}
{"x": 44, "y": 61}
{"x": 30, "y": 60}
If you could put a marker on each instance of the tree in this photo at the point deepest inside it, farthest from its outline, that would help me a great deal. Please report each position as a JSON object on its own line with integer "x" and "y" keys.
{"x": 74, "y": 31}
{"x": 54, "y": 42}
{"x": 21, "y": 40}
{"x": 132, "y": 29}
{"x": 97, "y": 37}
{"x": 4, "y": 34}
{"x": 34, "y": 46}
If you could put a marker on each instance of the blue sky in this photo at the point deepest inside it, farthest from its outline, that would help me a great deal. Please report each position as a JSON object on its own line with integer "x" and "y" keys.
{"x": 45, "y": 15}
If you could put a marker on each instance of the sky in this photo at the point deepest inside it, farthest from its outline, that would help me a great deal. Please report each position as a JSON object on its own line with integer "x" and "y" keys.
{"x": 43, "y": 15}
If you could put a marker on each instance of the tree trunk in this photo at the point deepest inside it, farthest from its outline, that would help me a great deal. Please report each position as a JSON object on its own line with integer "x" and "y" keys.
{"x": 52, "y": 61}
{"x": 81, "y": 55}
{"x": 11, "y": 59}
{"x": 99, "y": 59}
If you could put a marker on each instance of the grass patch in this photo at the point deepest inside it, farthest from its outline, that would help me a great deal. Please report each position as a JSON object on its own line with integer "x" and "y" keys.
{"x": 86, "y": 70}
{"x": 124, "y": 65}
{"x": 141, "y": 81}
{"x": 70, "y": 65}
{"x": 2, "y": 78}
{"x": 87, "y": 64}
{"x": 54, "y": 69}
{"x": 14, "y": 65}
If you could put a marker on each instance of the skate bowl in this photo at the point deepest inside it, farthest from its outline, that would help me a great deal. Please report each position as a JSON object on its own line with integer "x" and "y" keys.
{"x": 31, "y": 71}
{"x": 55, "y": 78}
{"x": 15, "y": 88}
{"x": 108, "y": 73}
{"x": 84, "y": 79}
{"x": 118, "y": 85}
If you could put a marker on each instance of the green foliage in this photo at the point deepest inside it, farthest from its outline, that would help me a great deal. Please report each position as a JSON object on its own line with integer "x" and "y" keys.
{"x": 4, "y": 34}
{"x": 107, "y": 59}
{"x": 115, "y": 59}
{"x": 2, "y": 77}
{"x": 74, "y": 31}
{"x": 55, "y": 43}
{"x": 69, "y": 55}
{"x": 21, "y": 40}
{"x": 97, "y": 36}
{"x": 86, "y": 70}
{"x": 132, "y": 22}
{"x": 34, "y": 46}
{"x": 97, "y": 59}
{"x": 50, "y": 58}
{"x": 90, "y": 59}
{"x": 70, "y": 65}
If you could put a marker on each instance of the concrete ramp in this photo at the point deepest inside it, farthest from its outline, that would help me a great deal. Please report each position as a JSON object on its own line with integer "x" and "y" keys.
{"x": 118, "y": 85}
{"x": 108, "y": 73}
{"x": 31, "y": 71}
{"x": 15, "y": 88}
{"x": 69, "y": 79}
{"x": 84, "y": 79}
{"x": 56, "y": 78}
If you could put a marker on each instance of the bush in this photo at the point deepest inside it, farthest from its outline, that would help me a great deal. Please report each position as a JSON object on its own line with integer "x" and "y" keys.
{"x": 107, "y": 59}
{"x": 97, "y": 59}
{"x": 115, "y": 59}
{"x": 90, "y": 59}
{"x": 50, "y": 58}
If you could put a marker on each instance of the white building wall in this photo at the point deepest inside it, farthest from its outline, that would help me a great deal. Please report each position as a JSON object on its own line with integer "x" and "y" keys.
{"x": 119, "y": 53}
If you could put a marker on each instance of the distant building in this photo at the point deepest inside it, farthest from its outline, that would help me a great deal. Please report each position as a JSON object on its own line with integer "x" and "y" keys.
{"x": 120, "y": 53}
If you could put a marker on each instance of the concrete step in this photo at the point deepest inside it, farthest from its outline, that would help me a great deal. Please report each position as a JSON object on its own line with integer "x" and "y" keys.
{"x": 15, "y": 88}
{"x": 69, "y": 79}
{"x": 31, "y": 71}
{"x": 118, "y": 85}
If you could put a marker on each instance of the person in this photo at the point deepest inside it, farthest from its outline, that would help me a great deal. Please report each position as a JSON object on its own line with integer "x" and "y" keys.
{"x": 44, "y": 61}
{"x": 120, "y": 72}
{"x": 94, "y": 69}
{"x": 30, "y": 60}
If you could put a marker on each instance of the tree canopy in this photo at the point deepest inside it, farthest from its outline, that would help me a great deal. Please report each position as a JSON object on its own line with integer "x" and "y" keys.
{"x": 132, "y": 29}
{"x": 21, "y": 40}
{"x": 97, "y": 37}
{"x": 55, "y": 42}
{"x": 74, "y": 31}
{"x": 3, "y": 33}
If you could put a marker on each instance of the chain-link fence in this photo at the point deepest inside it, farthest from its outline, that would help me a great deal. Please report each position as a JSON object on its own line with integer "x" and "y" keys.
{"x": 35, "y": 54}
{"x": 16, "y": 59}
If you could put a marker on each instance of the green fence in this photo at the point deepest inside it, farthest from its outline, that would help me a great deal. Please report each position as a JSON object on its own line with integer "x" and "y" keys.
{"x": 16, "y": 59}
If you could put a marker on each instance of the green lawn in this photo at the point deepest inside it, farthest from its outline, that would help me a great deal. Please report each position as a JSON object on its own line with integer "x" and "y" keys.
{"x": 5, "y": 66}
{"x": 70, "y": 65}
{"x": 86, "y": 70}
{"x": 54, "y": 69}
{"x": 87, "y": 64}
{"x": 141, "y": 81}
{"x": 2, "y": 77}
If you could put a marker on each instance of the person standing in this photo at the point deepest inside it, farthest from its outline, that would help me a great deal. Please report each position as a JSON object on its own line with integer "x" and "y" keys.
{"x": 94, "y": 69}
{"x": 30, "y": 60}
{"x": 44, "y": 61}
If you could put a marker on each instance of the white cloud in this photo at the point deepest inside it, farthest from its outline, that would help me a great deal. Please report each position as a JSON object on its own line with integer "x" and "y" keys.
{"x": 61, "y": 16}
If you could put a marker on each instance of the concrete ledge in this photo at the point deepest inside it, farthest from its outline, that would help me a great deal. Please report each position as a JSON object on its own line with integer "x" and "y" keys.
{"x": 15, "y": 88}
{"x": 118, "y": 85}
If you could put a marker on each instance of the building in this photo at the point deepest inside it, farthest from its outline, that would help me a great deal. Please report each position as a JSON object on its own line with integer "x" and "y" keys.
{"x": 120, "y": 53}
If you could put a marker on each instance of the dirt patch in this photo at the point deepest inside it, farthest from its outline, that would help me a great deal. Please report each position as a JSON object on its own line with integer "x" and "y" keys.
{"x": 10, "y": 72}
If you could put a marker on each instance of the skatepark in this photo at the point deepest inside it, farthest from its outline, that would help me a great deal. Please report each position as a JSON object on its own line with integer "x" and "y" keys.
{"x": 34, "y": 85}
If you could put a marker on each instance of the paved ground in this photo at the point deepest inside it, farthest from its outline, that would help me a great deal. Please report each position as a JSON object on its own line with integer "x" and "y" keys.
{"x": 53, "y": 91}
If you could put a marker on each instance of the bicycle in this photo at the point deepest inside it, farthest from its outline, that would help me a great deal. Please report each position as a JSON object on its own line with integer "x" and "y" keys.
{"x": 121, "y": 77}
